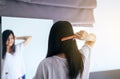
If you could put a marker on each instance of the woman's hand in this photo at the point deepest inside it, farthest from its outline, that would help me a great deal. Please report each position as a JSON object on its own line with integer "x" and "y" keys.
{"x": 82, "y": 35}
{"x": 91, "y": 37}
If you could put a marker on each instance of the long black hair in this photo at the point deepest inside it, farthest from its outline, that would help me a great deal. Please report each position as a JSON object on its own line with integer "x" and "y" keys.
{"x": 5, "y": 36}
{"x": 69, "y": 47}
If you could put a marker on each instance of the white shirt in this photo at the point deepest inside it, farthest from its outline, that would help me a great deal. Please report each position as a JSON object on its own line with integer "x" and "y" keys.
{"x": 55, "y": 67}
{"x": 13, "y": 64}
{"x": 86, "y": 51}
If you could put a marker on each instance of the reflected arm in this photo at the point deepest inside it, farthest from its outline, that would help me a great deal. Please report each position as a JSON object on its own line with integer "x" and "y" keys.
{"x": 25, "y": 38}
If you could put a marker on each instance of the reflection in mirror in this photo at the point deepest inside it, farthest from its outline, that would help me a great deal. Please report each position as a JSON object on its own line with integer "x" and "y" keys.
{"x": 36, "y": 50}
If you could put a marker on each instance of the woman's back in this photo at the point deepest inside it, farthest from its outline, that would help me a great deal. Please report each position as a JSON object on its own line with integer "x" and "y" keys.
{"x": 53, "y": 67}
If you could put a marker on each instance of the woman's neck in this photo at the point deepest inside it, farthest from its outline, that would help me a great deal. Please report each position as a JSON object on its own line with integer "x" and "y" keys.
{"x": 62, "y": 55}
{"x": 7, "y": 49}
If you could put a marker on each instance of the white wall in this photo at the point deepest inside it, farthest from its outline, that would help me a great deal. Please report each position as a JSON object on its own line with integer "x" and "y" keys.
{"x": 106, "y": 53}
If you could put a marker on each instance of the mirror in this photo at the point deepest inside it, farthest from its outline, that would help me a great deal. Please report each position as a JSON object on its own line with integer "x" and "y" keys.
{"x": 36, "y": 50}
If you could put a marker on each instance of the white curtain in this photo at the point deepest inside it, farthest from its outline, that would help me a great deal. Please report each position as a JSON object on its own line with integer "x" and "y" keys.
{"x": 78, "y": 12}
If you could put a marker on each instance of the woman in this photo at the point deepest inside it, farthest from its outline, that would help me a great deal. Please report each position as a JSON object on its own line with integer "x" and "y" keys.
{"x": 64, "y": 60}
{"x": 13, "y": 65}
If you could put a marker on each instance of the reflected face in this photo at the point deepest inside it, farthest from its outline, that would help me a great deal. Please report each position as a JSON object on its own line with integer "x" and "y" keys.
{"x": 10, "y": 40}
